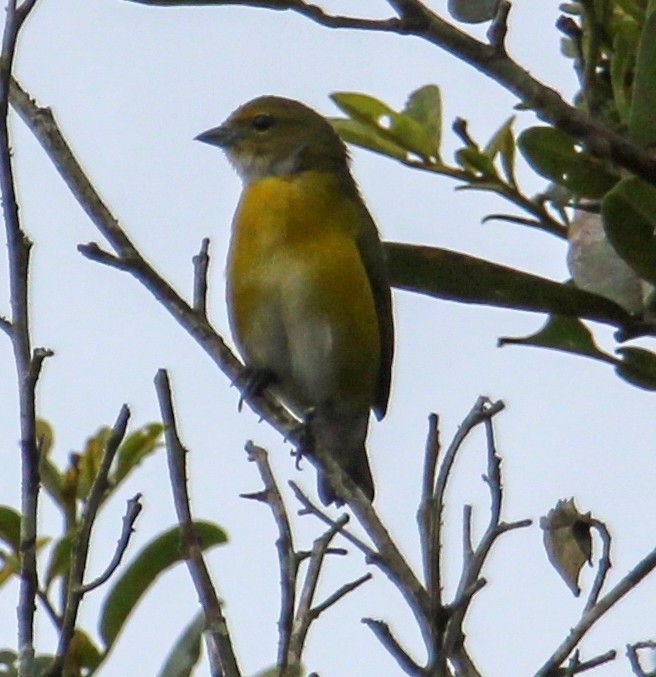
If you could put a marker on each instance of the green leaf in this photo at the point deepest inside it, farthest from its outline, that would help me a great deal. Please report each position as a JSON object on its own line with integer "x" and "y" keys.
{"x": 367, "y": 137}
{"x": 629, "y": 217}
{"x": 159, "y": 555}
{"x": 396, "y": 127}
{"x": 83, "y": 654}
{"x": 555, "y": 155}
{"x": 457, "y": 277}
{"x": 503, "y": 144}
{"x": 642, "y": 121}
{"x": 60, "y": 559}
{"x": 638, "y": 367}
{"x": 475, "y": 161}
{"x": 10, "y": 527}
{"x": 186, "y": 651}
{"x": 566, "y": 334}
{"x": 621, "y": 66}
{"x": 425, "y": 106}
{"x": 8, "y": 663}
{"x": 137, "y": 446}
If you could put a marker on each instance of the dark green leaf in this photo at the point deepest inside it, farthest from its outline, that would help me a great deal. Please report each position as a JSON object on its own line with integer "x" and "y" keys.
{"x": 159, "y": 555}
{"x": 638, "y": 367}
{"x": 10, "y": 527}
{"x": 367, "y": 137}
{"x": 135, "y": 448}
{"x": 629, "y": 217}
{"x": 458, "y": 277}
{"x": 186, "y": 651}
{"x": 8, "y": 663}
{"x": 566, "y": 334}
{"x": 396, "y": 127}
{"x": 82, "y": 654}
{"x": 473, "y": 11}
{"x": 642, "y": 122}
{"x": 555, "y": 155}
{"x": 425, "y": 106}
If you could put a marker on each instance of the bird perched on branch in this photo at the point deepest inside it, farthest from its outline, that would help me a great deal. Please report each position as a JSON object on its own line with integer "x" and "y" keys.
{"x": 307, "y": 291}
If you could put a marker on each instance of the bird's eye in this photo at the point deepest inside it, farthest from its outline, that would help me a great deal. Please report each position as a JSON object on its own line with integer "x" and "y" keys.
{"x": 263, "y": 121}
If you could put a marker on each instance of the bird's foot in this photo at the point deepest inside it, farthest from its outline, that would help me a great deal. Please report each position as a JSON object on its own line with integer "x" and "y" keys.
{"x": 305, "y": 439}
{"x": 254, "y": 383}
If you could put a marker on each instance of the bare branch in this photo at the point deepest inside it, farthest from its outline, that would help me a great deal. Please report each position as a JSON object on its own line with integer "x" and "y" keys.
{"x": 201, "y": 265}
{"x": 305, "y": 616}
{"x": 592, "y": 615}
{"x": 604, "y": 564}
{"x": 387, "y": 639}
{"x": 317, "y": 610}
{"x": 632, "y": 653}
{"x": 288, "y": 559}
{"x": 80, "y": 552}
{"x": 133, "y": 509}
{"x": 18, "y": 330}
{"x": 220, "y": 646}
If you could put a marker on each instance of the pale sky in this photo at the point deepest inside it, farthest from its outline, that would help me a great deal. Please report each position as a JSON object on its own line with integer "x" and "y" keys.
{"x": 131, "y": 86}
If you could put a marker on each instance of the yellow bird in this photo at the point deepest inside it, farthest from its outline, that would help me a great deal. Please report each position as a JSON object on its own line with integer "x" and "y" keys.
{"x": 307, "y": 291}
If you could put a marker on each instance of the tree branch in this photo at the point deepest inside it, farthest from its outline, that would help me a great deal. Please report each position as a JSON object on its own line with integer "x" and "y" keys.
{"x": 223, "y": 661}
{"x": 288, "y": 560}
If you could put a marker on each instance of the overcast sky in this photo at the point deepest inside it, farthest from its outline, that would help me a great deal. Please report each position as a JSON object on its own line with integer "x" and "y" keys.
{"x": 131, "y": 86}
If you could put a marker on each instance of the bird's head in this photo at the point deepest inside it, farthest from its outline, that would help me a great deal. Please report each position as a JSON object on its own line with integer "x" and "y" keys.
{"x": 273, "y": 136}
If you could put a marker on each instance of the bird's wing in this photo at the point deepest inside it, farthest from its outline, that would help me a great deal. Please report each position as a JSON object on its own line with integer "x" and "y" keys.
{"x": 373, "y": 256}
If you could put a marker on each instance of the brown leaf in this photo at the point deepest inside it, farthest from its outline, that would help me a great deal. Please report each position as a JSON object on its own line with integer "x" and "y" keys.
{"x": 567, "y": 541}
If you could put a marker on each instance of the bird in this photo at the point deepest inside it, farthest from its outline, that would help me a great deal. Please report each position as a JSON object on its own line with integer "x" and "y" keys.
{"x": 307, "y": 290}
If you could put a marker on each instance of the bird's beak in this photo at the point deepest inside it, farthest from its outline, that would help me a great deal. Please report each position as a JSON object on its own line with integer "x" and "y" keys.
{"x": 222, "y": 136}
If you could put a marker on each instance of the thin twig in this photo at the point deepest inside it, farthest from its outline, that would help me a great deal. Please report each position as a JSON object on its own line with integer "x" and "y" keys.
{"x": 583, "y": 666}
{"x": 288, "y": 559}
{"x": 498, "y": 29}
{"x": 220, "y": 646}
{"x": 592, "y": 615}
{"x": 632, "y": 653}
{"x": 387, "y": 639}
{"x": 201, "y": 265}
{"x": 604, "y": 563}
{"x": 334, "y": 597}
{"x": 134, "y": 507}
{"x": 82, "y": 540}
{"x": 426, "y": 512}
{"x": 304, "y": 616}
{"x": 18, "y": 329}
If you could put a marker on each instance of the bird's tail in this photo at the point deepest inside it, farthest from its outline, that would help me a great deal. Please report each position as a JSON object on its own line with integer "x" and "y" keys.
{"x": 345, "y": 442}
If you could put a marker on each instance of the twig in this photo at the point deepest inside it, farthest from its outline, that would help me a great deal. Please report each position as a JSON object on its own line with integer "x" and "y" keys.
{"x": 305, "y": 615}
{"x": 387, "y": 639}
{"x": 592, "y": 615}
{"x": 50, "y": 609}
{"x": 220, "y": 645}
{"x": 18, "y": 329}
{"x": 309, "y": 508}
{"x": 426, "y": 512}
{"x": 470, "y": 578}
{"x": 583, "y": 666}
{"x": 201, "y": 265}
{"x": 634, "y": 657}
{"x": 498, "y": 29}
{"x": 482, "y": 410}
{"x": 333, "y": 598}
{"x": 134, "y": 507}
{"x": 288, "y": 559}
{"x": 603, "y": 566}
{"x": 81, "y": 542}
